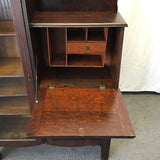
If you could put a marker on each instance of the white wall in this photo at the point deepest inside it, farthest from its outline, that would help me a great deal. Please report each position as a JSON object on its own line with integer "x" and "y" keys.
{"x": 140, "y": 68}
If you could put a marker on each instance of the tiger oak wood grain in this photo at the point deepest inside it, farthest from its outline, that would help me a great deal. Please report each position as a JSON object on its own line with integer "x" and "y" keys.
{"x": 63, "y": 112}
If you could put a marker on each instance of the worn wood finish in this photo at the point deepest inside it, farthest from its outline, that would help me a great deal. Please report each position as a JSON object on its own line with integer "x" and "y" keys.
{"x": 74, "y": 5}
{"x": 24, "y": 50}
{"x": 77, "y": 19}
{"x": 13, "y": 127}
{"x": 76, "y": 77}
{"x": 12, "y": 87}
{"x": 5, "y": 12}
{"x": 7, "y": 28}
{"x": 14, "y": 105}
{"x": 95, "y": 47}
{"x": 11, "y": 67}
{"x": 9, "y": 47}
{"x": 80, "y": 112}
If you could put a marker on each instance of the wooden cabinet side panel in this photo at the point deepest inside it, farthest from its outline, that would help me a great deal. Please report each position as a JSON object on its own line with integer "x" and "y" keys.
{"x": 116, "y": 42}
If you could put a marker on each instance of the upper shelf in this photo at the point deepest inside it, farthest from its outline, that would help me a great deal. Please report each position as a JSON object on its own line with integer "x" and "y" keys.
{"x": 7, "y": 28}
{"x": 77, "y": 19}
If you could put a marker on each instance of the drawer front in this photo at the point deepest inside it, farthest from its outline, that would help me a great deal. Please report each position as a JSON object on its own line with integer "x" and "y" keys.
{"x": 99, "y": 47}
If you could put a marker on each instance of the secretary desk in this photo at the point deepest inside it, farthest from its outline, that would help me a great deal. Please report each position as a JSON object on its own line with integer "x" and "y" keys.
{"x": 59, "y": 74}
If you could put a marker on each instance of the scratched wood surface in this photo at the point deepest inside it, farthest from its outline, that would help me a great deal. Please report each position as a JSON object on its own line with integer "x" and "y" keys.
{"x": 80, "y": 112}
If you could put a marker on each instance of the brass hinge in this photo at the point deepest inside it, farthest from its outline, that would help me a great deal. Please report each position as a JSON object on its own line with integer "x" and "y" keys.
{"x": 102, "y": 87}
{"x": 51, "y": 88}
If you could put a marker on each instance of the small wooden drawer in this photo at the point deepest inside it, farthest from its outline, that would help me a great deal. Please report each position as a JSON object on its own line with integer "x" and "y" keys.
{"x": 76, "y": 48}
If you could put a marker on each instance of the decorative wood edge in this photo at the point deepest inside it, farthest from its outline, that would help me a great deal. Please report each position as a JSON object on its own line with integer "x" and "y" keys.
{"x": 62, "y": 25}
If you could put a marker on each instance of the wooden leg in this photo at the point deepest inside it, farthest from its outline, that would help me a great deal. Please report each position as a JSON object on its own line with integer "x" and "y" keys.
{"x": 0, "y": 156}
{"x": 105, "y": 146}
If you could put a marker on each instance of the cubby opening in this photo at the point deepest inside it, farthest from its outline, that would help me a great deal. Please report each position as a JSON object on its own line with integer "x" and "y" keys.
{"x": 76, "y": 34}
{"x": 97, "y": 34}
{"x": 69, "y": 47}
{"x": 81, "y": 60}
{"x": 57, "y": 46}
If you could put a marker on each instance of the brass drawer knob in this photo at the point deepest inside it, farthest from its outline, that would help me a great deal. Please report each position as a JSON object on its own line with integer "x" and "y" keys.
{"x": 81, "y": 131}
{"x": 86, "y": 48}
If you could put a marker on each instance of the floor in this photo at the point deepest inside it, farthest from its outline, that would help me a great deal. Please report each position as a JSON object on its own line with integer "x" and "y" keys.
{"x": 144, "y": 111}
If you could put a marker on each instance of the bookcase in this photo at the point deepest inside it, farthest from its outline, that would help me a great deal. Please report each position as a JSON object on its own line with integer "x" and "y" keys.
{"x": 14, "y": 106}
{"x": 71, "y": 55}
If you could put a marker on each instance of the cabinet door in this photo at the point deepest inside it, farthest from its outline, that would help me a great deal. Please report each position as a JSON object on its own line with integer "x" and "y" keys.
{"x": 80, "y": 112}
{"x": 24, "y": 42}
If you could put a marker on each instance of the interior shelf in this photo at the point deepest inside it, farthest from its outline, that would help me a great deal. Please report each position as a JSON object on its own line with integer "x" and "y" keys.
{"x": 11, "y": 67}
{"x": 14, "y": 105}
{"x": 80, "y": 60}
{"x": 9, "y": 46}
{"x": 70, "y": 19}
{"x": 12, "y": 87}
{"x": 7, "y": 28}
{"x": 13, "y": 127}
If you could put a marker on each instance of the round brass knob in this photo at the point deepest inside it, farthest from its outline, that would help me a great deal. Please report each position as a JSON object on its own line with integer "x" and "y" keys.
{"x": 86, "y": 48}
{"x": 81, "y": 131}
